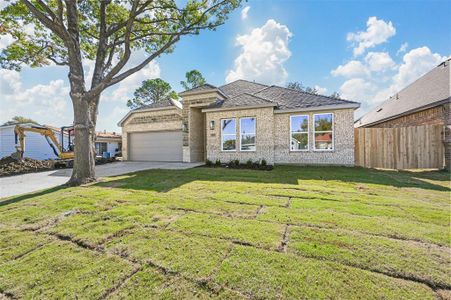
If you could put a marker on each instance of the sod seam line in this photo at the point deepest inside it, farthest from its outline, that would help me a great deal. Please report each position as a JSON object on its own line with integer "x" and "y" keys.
{"x": 284, "y": 242}
{"x": 259, "y": 211}
{"x": 430, "y": 284}
{"x": 121, "y": 283}
{"x": 309, "y": 225}
{"x": 165, "y": 271}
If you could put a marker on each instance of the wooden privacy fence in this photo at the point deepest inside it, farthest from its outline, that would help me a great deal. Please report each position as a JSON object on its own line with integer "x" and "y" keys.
{"x": 400, "y": 148}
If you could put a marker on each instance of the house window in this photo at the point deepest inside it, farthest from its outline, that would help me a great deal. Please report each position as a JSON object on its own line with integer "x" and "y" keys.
{"x": 247, "y": 134}
{"x": 228, "y": 135}
{"x": 100, "y": 148}
{"x": 299, "y": 133}
{"x": 324, "y": 131}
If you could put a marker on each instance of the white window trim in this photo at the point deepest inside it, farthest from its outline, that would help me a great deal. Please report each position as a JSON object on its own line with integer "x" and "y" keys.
{"x": 254, "y": 133}
{"x": 308, "y": 133}
{"x": 226, "y": 134}
{"x": 333, "y": 133}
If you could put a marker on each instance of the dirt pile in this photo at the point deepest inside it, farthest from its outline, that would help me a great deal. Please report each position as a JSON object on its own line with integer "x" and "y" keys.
{"x": 10, "y": 166}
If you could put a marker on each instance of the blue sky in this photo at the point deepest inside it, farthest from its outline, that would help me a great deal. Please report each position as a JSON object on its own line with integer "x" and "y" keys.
{"x": 366, "y": 50}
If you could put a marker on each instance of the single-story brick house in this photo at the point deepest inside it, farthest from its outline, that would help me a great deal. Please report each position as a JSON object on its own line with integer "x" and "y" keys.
{"x": 242, "y": 120}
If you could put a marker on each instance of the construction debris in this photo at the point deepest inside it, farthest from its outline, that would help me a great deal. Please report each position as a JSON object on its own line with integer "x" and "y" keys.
{"x": 10, "y": 166}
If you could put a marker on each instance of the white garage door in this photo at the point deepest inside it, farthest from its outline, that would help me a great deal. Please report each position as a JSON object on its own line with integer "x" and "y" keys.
{"x": 156, "y": 146}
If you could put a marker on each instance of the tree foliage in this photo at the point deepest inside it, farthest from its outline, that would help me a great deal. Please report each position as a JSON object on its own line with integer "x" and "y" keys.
{"x": 151, "y": 91}
{"x": 335, "y": 95}
{"x": 107, "y": 33}
{"x": 19, "y": 120}
{"x": 298, "y": 86}
{"x": 194, "y": 79}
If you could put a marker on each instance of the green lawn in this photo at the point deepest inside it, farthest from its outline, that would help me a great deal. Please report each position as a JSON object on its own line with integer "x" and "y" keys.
{"x": 291, "y": 233}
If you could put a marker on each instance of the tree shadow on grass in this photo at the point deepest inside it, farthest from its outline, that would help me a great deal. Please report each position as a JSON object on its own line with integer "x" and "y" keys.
{"x": 15, "y": 199}
{"x": 166, "y": 180}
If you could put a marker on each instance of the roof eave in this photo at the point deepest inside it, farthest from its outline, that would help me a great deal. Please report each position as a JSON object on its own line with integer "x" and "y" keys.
{"x": 319, "y": 108}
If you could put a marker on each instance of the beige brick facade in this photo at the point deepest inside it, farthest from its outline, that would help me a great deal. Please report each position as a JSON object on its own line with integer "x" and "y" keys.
{"x": 343, "y": 153}
{"x": 194, "y": 120}
{"x": 264, "y": 135}
{"x": 155, "y": 120}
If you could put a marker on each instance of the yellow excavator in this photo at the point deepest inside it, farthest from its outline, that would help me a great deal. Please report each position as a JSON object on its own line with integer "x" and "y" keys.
{"x": 65, "y": 155}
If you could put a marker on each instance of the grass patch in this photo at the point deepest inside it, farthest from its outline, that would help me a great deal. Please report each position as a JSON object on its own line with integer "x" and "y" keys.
{"x": 421, "y": 262}
{"x": 61, "y": 270}
{"x": 391, "y": 227}
{"x": 221, "y": 233}
{"x": 240, "y": 230}
{"x": 262, "y": 274}
{"x": 192, "y": 256}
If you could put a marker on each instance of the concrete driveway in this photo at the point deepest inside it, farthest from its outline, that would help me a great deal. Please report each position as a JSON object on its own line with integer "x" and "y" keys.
{"x": 27, "y": 183}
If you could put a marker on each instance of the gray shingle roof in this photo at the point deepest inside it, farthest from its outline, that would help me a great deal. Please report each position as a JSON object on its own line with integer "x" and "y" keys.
{"x": 241, "y": 86}
{"x": 159, "y": 104}
{"x": 430, "y": 90}
{"x": 241, "y": 100}
{"x": 292, "y": 99}
{"x": 284, "y": 98}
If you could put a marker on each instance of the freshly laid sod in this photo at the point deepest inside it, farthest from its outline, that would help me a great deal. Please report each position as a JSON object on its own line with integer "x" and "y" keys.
{"x": 289, "y": 233}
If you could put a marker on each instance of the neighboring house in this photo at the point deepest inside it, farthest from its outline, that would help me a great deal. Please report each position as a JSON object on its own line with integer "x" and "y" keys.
{"x": 36, "y": 146}
{"x": 242, "y": 120}
{"x": 109, "y": 142}
{"x": 426, "y": 101}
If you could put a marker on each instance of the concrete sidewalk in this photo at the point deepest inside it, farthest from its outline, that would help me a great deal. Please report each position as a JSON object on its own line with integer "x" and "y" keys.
{"x": 27, "y": 183}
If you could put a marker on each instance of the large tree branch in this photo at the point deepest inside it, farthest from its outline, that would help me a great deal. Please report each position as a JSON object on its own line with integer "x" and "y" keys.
{"x": 76, "y": 74}
{"x": 55, "y": 27}
{"x": 101, "y": 48}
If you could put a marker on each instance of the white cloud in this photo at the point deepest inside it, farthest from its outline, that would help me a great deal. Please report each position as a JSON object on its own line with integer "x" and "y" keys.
{"x": 9, "y": 82}
{"x": 245, "y": 12}
{"x": 263, "y": 53}
{"x": 5, "y": 41}
{"x": 377, "y": 32}
{"x": 320, "y": 90}
{"x": 109, "y": 117}
{"x": 416, "y": 63}
{"x": 350, "y": 69}
{"x": 377, "y": 88}
{"x": 123, "y": 90}
{"x": 402, "y": 49}
{"x": 47, "y": 103}
{"x": 379, "y": 61}
{"x": 356, "y": 89}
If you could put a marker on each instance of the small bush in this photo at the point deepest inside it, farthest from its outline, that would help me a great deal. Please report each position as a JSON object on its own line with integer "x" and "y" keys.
{"x": 208, "y": 163}
{"x": 218, "y": 163}
{"x": 237, "y": 162}
{"x": 249, "y": 163}
{"x": 263, "y": 163}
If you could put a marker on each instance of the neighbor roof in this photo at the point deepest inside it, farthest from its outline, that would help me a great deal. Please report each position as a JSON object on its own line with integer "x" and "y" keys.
{"x": 432, "y": 89}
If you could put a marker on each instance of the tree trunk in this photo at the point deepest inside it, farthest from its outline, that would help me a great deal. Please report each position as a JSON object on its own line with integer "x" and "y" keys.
{"x": 85, "y": 118}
